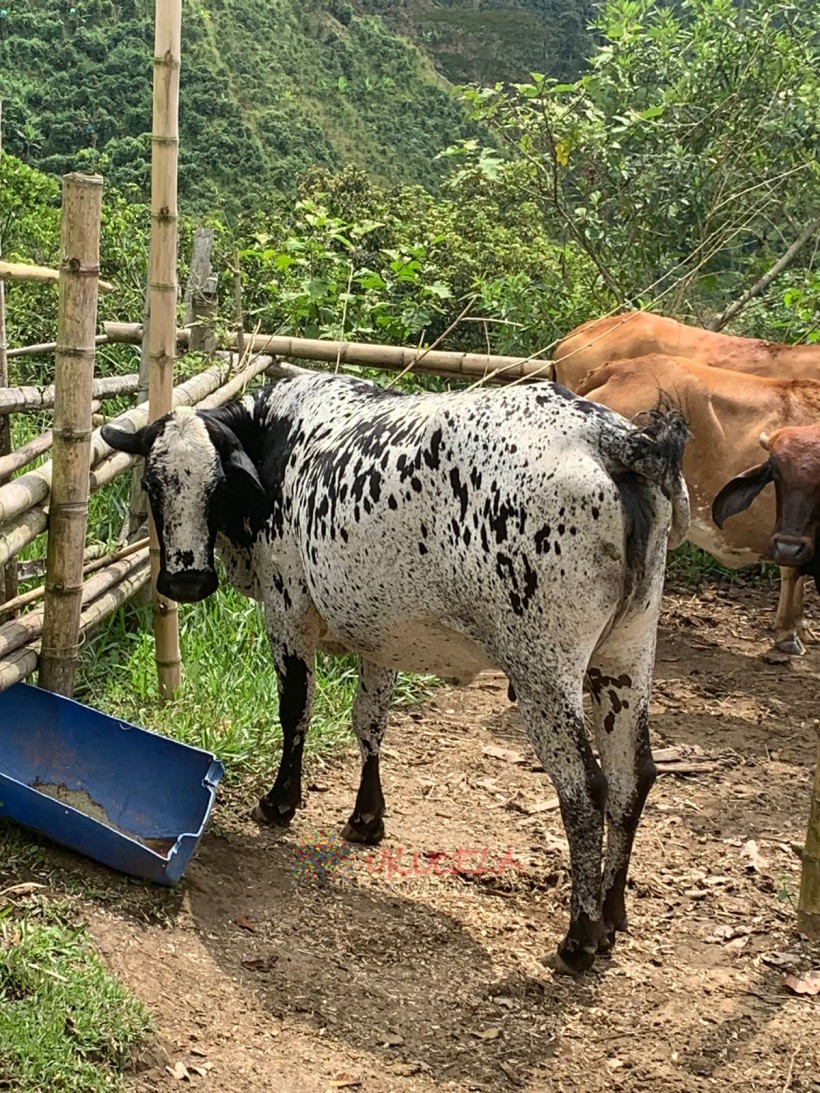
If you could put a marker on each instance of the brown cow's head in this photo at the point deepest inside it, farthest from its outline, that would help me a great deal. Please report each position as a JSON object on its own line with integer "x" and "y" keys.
{"x": 794, "y": 467}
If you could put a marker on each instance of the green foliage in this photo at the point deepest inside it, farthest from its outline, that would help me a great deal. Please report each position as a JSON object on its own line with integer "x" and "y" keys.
{"x": 65, "y": 1024}
{"x": 682, "y": 161}
{"x": 487, "y": 40}
{"x": 268, "y": 88}
{"x": 349, "y": 260}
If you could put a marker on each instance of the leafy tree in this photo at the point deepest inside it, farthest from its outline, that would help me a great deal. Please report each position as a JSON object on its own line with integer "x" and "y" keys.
{"x": 684, "y": 162}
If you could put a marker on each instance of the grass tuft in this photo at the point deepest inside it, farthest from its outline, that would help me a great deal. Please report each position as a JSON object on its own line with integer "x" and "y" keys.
{"x": 66, "y": 1025}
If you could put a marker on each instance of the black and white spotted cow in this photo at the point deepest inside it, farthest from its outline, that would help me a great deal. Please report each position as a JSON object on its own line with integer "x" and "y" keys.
{"x": 519, "y": 527}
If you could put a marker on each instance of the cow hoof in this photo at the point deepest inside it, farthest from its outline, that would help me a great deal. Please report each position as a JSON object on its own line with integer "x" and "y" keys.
{"x": 273, "y": 815}
{"x": 357, "y": 830}
{"x": 791, "y": 646}
{"x": 569, "y": 963}
{"x": 607, "y": 941}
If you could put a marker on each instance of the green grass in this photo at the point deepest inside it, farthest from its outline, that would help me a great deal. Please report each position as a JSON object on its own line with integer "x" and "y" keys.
{"x": 690, "y": 564}
{"x": 66, "y": 1025}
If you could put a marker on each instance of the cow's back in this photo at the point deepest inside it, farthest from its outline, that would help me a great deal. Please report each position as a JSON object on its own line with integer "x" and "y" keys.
{"x": 433, "y": 531}
{"x": 640, "y": 333}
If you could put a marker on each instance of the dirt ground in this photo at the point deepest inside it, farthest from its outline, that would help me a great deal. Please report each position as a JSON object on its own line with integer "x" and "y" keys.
{"x": 265, "y": 975}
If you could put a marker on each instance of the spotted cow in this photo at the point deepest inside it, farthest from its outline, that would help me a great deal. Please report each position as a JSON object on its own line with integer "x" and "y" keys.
{"x": 521, "y": 528}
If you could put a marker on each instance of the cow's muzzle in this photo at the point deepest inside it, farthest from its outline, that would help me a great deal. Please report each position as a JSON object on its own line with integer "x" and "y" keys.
{"x": 188, "y": 587}
{"x": 790, "y": 550}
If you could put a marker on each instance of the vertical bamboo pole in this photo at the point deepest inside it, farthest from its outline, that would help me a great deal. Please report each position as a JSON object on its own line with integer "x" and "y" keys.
{"x": 808, "y": 905}
{"x": 8, "y": 574}
{"x": 162, "y": 286}
{"x": 73, "y": 381}
{"x": 138, "y": 502}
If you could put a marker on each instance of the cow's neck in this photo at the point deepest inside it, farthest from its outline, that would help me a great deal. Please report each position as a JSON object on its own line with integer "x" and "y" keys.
{"x": 239, "y": 566}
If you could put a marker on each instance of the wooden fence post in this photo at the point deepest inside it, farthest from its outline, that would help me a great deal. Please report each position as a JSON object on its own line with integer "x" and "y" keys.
{"x": 137, "y": 500}
{"x": 201, "y": 296}
{"x": 163, "y": 293}
{"x": 808, "y": 905}
{"x": 8, "y": 575}
{"x": 73, "y": 382}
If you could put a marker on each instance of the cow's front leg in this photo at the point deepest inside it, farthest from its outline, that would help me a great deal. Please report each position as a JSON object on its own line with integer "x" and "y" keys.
{"x": 371, "y": 708}
{"x": 296, "y": 673}
{"x": 791, "y": 630}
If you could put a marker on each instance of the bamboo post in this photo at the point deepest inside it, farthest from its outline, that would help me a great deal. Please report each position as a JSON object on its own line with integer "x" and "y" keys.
{"x": 237, "y": 303}
{"x": 137, "y": 500}
{"x": 163, "y": 293}
{"x": 808, "y": 904}
{"x": 8, "y": 575}
{"x": 73, "y": 384}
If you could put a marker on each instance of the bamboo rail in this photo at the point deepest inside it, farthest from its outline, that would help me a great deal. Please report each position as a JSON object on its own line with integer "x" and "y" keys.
{"x": 22, "y": 512}
{"x": 45, "y": 347}
{"x": 15, "y": 400}
{"x": 73, "y": 395}
{"x": 91, "y": 565}
{"x": 35, "y": 447}
{"x": 162, "y": 285}
{"x": 28, "y": 452}
{"x": 498, "y": 369}
{"x": 20, "y": 532}
{"x": 24, "y": 630}
{"x": 22, "y": 662}
{"x": 23, "y": 271}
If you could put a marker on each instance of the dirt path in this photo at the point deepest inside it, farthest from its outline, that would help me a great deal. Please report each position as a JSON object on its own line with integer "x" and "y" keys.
{"x": 262, "y": 980}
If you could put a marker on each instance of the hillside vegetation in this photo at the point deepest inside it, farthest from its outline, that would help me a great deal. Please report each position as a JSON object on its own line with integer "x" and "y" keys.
{"x": 488, "y": 40}
{"x": 269, "y": 87}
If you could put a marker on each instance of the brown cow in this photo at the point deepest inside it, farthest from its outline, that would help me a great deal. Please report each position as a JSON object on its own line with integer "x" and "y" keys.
{"x": 727, "y": 413}
{"x": 637, "y": 333}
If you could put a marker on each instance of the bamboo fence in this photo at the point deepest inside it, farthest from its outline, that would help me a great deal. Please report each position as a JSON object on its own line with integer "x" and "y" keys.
{"x": 73, "y": 394}
{"x": 468, "y": 366}
{"x": 8, "y": 574}
{"x": 162, "y": 287}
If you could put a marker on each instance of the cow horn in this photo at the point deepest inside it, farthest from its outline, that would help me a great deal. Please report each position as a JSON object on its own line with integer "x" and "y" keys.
{"x": 764, "y": 441}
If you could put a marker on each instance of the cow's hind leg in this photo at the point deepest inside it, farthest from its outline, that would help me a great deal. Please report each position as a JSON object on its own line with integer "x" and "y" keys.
{"x": 296, "y": 674}
{"x": 554, "y": 720}
{"x": 371, "y": 708}
{"x": 619, "y": 680}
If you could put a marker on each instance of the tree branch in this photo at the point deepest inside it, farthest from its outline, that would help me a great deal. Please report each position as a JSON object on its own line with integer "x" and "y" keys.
{"x": 759, "y": 287}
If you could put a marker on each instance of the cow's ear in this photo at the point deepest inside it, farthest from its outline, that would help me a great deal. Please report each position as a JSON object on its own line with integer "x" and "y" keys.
{"x": 738, "y": 494}
{"x": 121, "y": 441}
{"x": 242, "y": 479}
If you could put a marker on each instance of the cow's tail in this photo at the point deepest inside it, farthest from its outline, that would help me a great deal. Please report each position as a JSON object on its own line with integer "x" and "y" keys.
{"x": 652, "y": 451}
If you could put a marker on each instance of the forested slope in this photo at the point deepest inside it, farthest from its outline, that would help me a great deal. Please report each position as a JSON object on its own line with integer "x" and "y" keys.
{"x": 269, "y": 87}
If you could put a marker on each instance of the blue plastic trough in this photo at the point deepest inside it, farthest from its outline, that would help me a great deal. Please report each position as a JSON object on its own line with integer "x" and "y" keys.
{"x": 129, "y": 798}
